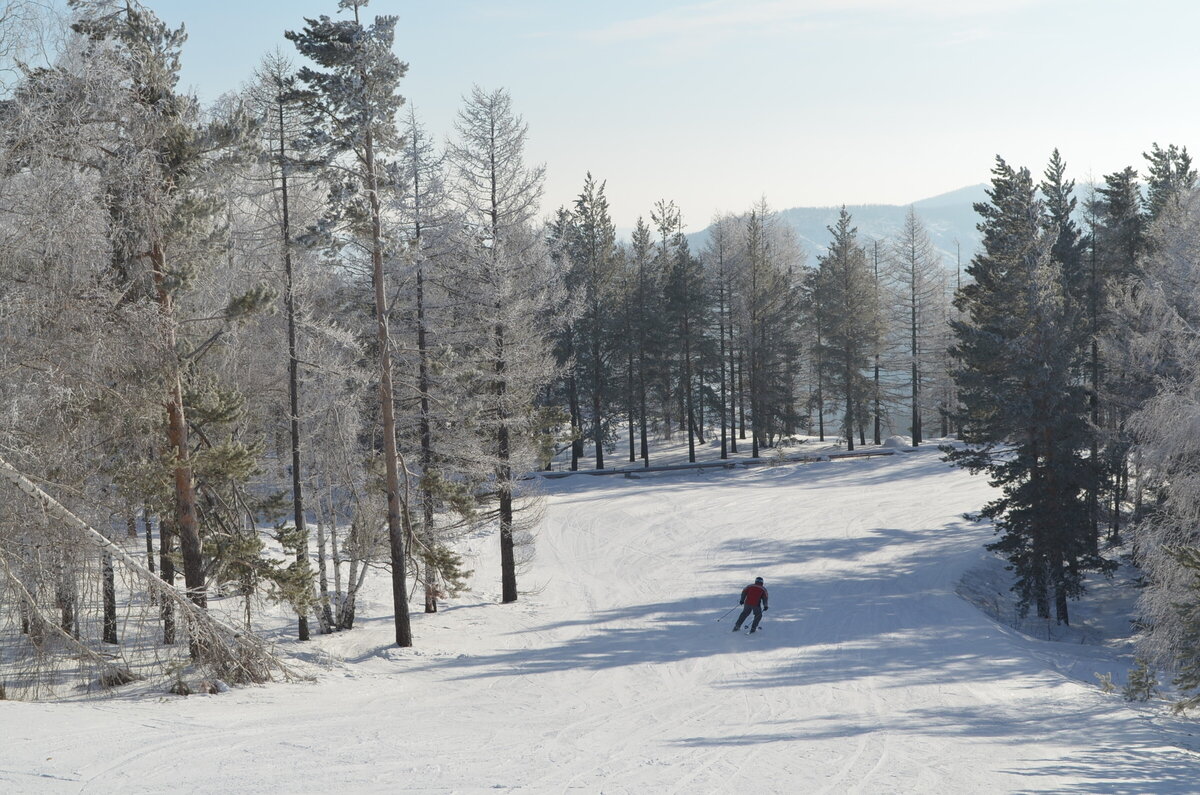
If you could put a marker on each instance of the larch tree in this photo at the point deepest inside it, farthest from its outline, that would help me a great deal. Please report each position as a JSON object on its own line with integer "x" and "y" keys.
{"x": 919, "y": 290}
{"x": 720, "y": 259}
{"x": 846, "y": 304}
{"x": 645, "y": 303}
{"x": 423, "y": 174}
{"x": 510, "y": 289}
{"x": 272, "y": 98}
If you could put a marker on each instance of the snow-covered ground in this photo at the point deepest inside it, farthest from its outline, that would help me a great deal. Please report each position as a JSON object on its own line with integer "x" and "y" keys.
{"x": 614, "y": 674}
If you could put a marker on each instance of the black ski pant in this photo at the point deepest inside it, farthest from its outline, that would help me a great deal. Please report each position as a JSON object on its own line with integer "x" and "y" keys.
{"x": 746, "y": 612}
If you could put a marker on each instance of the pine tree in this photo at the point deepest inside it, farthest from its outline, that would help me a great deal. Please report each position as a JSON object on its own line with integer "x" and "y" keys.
{"x": 592, "y": 250}
{"x": 352, "y": 102}
{"x": 159, "y": 163}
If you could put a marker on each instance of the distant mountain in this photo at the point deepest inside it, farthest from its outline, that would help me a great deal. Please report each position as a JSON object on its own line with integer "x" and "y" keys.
{"x": 950, "y": 219}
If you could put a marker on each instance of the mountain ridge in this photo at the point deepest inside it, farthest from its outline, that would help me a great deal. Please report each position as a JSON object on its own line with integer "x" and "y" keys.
{"x": 950, "y": 219}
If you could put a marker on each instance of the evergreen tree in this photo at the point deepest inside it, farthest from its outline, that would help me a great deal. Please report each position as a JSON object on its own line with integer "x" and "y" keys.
{"x": 1170, "y": 177}
{"x": 1119, "y": 241}
{"x": 352, "y": 102}
{"x": 592, "y": 251}
{"x": 161, "y": 159}
{"x": 1024, "y": 408}
{"x": 1081, "y": 304}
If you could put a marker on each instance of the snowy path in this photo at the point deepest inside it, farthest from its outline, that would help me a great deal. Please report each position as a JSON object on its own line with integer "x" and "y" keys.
{"x": 871, "y": 674}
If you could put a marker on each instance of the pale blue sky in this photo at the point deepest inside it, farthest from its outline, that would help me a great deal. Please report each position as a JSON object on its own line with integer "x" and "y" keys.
{"x": 808, "y": 102}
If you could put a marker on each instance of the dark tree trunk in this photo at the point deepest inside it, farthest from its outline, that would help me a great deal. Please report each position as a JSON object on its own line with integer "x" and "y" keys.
{"x": 741, "y": 389}
{"x": 597, "y": 385}
{"x": 289, "y": 303}
{"x": 396, "y": 512}
{"x": 576, "y": 421}
{"x": 148, "y": 521}
{"x": 110, "y": 599}
{"x": 426, "y": 430}
{"x": 629, "y": 391}
{"x": 166, "y": 568}
{"x": 722, "y": 402}
{"x": 687, "y": 387}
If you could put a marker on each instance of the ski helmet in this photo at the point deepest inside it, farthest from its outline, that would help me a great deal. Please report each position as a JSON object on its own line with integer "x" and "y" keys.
{"x": 758, "y": 580}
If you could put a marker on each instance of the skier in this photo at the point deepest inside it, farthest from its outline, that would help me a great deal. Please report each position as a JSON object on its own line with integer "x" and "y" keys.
{"x": 754, "y": 597}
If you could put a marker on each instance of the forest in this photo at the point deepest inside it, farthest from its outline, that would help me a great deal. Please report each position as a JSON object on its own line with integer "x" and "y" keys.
{"x": 254, "y": 350}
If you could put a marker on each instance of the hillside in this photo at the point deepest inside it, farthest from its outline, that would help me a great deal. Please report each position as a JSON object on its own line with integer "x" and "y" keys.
{"x": 950, "y": 219}
{"x": 618, "y": 671}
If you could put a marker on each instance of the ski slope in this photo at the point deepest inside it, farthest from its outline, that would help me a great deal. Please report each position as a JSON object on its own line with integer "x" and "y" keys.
{"x": 614, "y": 674}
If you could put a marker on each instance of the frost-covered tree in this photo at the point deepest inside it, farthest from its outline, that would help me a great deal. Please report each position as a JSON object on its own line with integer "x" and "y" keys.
{"x": 591, "y": 247}
{"x": 645, "y": 321}
{"x": 918, "y": 286}
{"x": 166, "y": 205}
{"x": 426, "y": 306}
{"x": 720, "y": 259}
{"x": 508, "y": 289}
{"x": 1163, "y": 349}
{"x": 847, "y": 305}
{"x": 351, "y": 101}
{"x": 1170, "y": 178}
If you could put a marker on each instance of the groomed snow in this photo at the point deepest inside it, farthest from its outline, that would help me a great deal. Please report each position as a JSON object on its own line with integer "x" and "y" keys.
{"x": 871, "y": 673}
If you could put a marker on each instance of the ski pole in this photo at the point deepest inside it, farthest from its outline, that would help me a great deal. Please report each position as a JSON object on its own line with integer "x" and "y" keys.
{"x": 730, "y": 610}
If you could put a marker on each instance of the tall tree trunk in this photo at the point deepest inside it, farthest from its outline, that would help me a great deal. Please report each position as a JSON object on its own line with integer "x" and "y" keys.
{"x": 424, "y": 384}
{"x": 323, "y": 606}
{"x": 289, "y": 303}
{"x": 722, "y": 403}
{"x": 395, "y": 510}
{"x": 187, "y": 526}
{"x": 741, "y": 397}
{"x": 576, "y": 420}
{"x": 597, "y": 380}
{"x": 820, "y": 389}
{"x": 687, "y": 386}
{"x": 643, "y": 418}
{"x": 850, "y": 400}
{"x": 508, "y": 561}
{"x": 629, "y": 395}
{"x": 508, "y": 564}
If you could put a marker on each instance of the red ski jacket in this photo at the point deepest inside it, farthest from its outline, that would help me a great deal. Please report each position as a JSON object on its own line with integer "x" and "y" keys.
{"x": 751, "y": 595}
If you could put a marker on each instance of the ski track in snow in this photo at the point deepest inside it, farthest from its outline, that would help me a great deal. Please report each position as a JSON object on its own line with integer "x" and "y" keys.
{"x": 614, "y": 675}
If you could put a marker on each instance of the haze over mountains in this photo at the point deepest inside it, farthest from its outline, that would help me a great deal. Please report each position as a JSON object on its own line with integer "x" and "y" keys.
{"x": 950, "y": 219}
